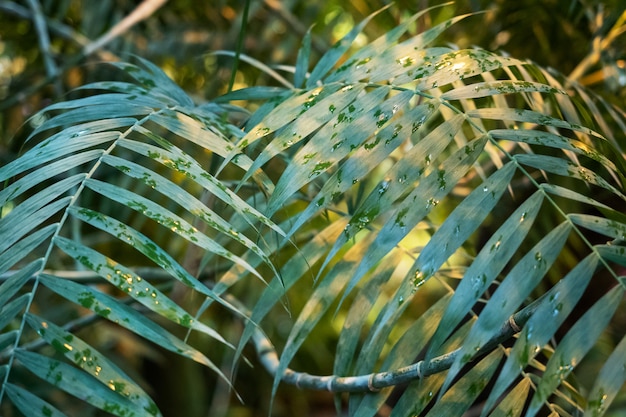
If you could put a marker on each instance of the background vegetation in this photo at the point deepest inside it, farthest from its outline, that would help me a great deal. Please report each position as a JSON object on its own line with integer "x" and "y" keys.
{"x": 582, "y": 39}
{"x": 179, "y": 37}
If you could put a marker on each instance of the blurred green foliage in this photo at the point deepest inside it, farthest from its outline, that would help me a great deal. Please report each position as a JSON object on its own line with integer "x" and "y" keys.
{"x": 181, "y": 35}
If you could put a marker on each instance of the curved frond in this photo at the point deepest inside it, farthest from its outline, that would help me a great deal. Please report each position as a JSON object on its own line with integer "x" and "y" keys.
{"x": 455, "y": 215}
{"x": 438, "y": 151}
{"x": 99, "y": 164}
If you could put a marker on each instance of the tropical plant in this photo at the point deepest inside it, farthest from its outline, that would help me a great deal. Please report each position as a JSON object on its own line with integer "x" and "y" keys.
{"x": 459, "y": 213}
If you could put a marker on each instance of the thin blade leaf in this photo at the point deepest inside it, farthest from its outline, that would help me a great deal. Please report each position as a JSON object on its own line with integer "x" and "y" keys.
{"x": 13, "y": 309}
{"x": 367, "y": 157}
{"x": 187, "y": 201}
{"x": 45, "y": 173}
{"x": 610, "y": 380}
{"x": 461, "y": 223}
{"x": 111, "y": 309}
{"x": 489, "y": 89}
{"x": 302, "y": 61}
{"x": 29, "y": 404}
{"x": 381, "y": 61}
{"x": 463, "y": 393}
{"x": 495, "y": 254}
{"x": 606, "y": 227}
{"x": 177, "y": 160}
{"x": 93, "y": 362}
{"x": 146, "y": 246}
{"x": 166, "y": 218}
{"x": 401, "y": 178}
{"x": 413, "y": 209}
{"x": 318, "y": 303}
{"x": 296, "y": 268}
{"x": 404, "y": 351}
{"x": 132, "y": 284}
{"x": 557, "y": 304}
{"x": 16, "y": 281}
{"x": 318, "y": 111}
{"x": 575, "y": 345}
{"x": 358, "y": 314}
{"x": 25, "y": 247}
{"x": 349, "y": 131}
{"x": 332, "y": 56}
{"x": 513, "y": 404}
{"x": 513, "y": 291}
{"x": 78, "y": 383}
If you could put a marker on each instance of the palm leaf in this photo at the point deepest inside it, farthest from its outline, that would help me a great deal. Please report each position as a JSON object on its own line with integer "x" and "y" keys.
{"x": 575, "y": 345}
{"x": 453, "y": 197}
{"x": 73, "y": 381}
{"x": 610, "y": 379}
{"x": 30, "y": 404}
{"x": 93, "y": 362}
{"x": 85, "y": 150}
{"x": 385, "y": 211}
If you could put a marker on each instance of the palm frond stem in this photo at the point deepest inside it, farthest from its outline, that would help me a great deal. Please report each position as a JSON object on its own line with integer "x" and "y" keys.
{"x": 375, "y": 381}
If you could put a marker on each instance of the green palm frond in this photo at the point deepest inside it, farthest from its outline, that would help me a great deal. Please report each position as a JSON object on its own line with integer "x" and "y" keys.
{"x": 452, "y": 209}
{"x": 460, "y": 114}
{"x": 91, "y": 141}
